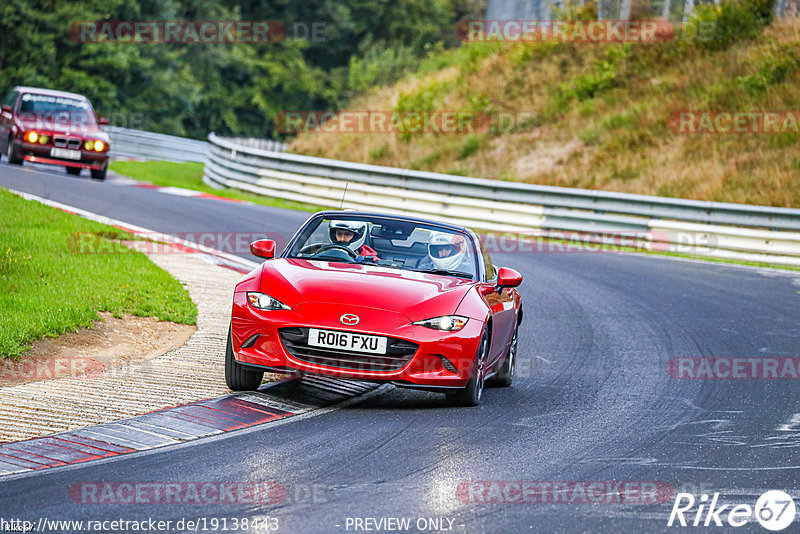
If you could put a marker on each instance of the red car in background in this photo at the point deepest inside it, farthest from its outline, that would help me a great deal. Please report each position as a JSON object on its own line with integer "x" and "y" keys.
{"x": 423, "y": 309}
{"x": 53, "y": 127}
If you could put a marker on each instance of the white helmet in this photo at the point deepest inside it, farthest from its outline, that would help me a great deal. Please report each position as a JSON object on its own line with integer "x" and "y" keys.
{"x": 446, "y": 251}
{"x": 357, "y": 228}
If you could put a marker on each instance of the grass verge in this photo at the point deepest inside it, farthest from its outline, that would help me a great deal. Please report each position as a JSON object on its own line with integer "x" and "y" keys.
{"x": 190, "y": 176}
{"x": 47, "y": 288}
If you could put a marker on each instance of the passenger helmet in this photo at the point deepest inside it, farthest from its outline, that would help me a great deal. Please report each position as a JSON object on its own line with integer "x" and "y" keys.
{"x": 446, "y": 251}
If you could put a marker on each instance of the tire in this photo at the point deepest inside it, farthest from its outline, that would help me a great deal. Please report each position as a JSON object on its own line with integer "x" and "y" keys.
{"x": 505, "y": 376}
{"x": 101, "y": 173}
{"x": 471, "y": 395}
{"x": 13, "y": 157}
{"x": 74, "y": 171}
{"x": 237, "y": 377}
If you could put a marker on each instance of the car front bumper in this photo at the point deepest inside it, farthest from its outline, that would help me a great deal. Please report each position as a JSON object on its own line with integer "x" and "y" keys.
{"x": 424, "y": 369}
{"x": 36, "y": 153}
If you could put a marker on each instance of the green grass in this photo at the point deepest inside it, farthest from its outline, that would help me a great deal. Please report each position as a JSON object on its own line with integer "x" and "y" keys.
{"x": 190, "y": 176}
{"x": 48, "y": 287}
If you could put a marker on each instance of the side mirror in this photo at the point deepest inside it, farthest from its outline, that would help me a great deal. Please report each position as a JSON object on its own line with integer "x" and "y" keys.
{"x": 6, "y": 109}
{"x": 103, "y": 121}
{"x": 508, "y": 277}
{"x": 263, "y": 248}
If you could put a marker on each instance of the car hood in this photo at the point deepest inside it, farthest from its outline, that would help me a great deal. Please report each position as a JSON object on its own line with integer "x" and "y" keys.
{"x": 416, "y": 295}
{"x": 65, "y": 128}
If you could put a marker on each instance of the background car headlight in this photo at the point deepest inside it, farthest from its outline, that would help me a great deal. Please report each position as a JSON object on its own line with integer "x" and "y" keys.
{"x": 265, "y": 302}
{"x": 449, "y": 323}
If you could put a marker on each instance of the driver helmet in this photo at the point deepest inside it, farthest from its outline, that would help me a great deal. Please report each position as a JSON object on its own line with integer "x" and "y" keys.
{"x": 358, "y": 229}
{"x": 446, "y": 251}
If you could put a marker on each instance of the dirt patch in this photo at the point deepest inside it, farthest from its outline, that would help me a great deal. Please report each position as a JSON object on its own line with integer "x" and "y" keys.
{"x": 112, "y": 342}
{"x": 546, "y": 158}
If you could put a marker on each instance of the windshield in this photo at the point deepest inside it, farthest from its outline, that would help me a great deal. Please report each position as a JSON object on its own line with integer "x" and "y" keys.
{"x": 406, "y": 245}
{"x": 57, "y": 109}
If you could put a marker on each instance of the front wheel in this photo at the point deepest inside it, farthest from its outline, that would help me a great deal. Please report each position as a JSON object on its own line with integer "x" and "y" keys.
{"x": 471, "y": 395}
{"x": 237, "y": 376}
{"x": 505, "y": 376}
{"x": 13, "y": 156}
{"x": 100, "y": 174}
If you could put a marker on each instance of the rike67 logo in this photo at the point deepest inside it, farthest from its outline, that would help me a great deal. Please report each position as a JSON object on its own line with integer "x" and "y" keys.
{"x": 774, "y": 510}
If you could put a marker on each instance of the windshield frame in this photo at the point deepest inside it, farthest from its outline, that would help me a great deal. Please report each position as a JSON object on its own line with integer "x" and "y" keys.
{"x": 313, "y": 222}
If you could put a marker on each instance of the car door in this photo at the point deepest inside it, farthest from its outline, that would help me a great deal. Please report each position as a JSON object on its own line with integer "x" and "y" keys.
{"x": 501, "y": 304}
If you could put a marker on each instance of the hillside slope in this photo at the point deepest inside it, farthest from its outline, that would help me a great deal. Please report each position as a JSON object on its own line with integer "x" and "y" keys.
{"x": 597, "y": 116}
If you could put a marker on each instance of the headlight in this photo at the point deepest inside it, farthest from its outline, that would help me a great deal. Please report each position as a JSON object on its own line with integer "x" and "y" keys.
{"x": 31, "y": 136}
{"x": 96, "y": 145}
{"x": 43, "y": 139}
{"x": 265, "y": 302}
{"x": 449, "y": 323}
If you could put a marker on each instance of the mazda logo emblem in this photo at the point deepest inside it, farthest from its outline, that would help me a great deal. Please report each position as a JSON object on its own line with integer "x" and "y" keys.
{"x": 349, "y": 319}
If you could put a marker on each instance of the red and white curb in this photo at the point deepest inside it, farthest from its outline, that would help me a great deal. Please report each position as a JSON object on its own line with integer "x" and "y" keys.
{"x": 179, "y": 424}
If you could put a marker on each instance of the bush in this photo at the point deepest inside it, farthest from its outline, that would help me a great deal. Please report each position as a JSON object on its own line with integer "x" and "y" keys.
{"x": 471, "y": 145}
{"x": 604, "y": 75}
{"x": 773, "y": 70}
{"x": 716, "y": 27}
{"x": 380, "y": 66}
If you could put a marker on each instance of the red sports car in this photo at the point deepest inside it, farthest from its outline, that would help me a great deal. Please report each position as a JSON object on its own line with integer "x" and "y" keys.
{"x": 53, "y": 127}
{"x": 377, "y": 297}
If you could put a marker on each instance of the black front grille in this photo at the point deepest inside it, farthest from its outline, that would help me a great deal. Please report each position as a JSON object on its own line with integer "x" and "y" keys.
{"x": 61, "y": 141}
{"x": 398, "y": 353}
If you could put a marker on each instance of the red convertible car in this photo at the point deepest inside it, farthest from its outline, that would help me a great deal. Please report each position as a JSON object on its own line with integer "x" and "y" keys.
{"x": 53, "y": 127}
{"x": 377, "y": 297}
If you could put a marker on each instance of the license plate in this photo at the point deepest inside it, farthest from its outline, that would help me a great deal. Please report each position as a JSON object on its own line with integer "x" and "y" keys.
{"x": 346, "y": 341}
{"x": 64, "y": 153}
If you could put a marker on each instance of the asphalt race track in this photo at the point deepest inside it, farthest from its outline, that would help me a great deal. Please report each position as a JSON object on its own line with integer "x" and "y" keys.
{"x": 592, "y": 401}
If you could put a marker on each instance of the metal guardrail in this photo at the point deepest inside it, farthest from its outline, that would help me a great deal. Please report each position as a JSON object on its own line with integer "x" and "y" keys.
{"x": 738, "y": 231}
{"x": 128, "y": 143}
{"x": 262, "y": 144}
